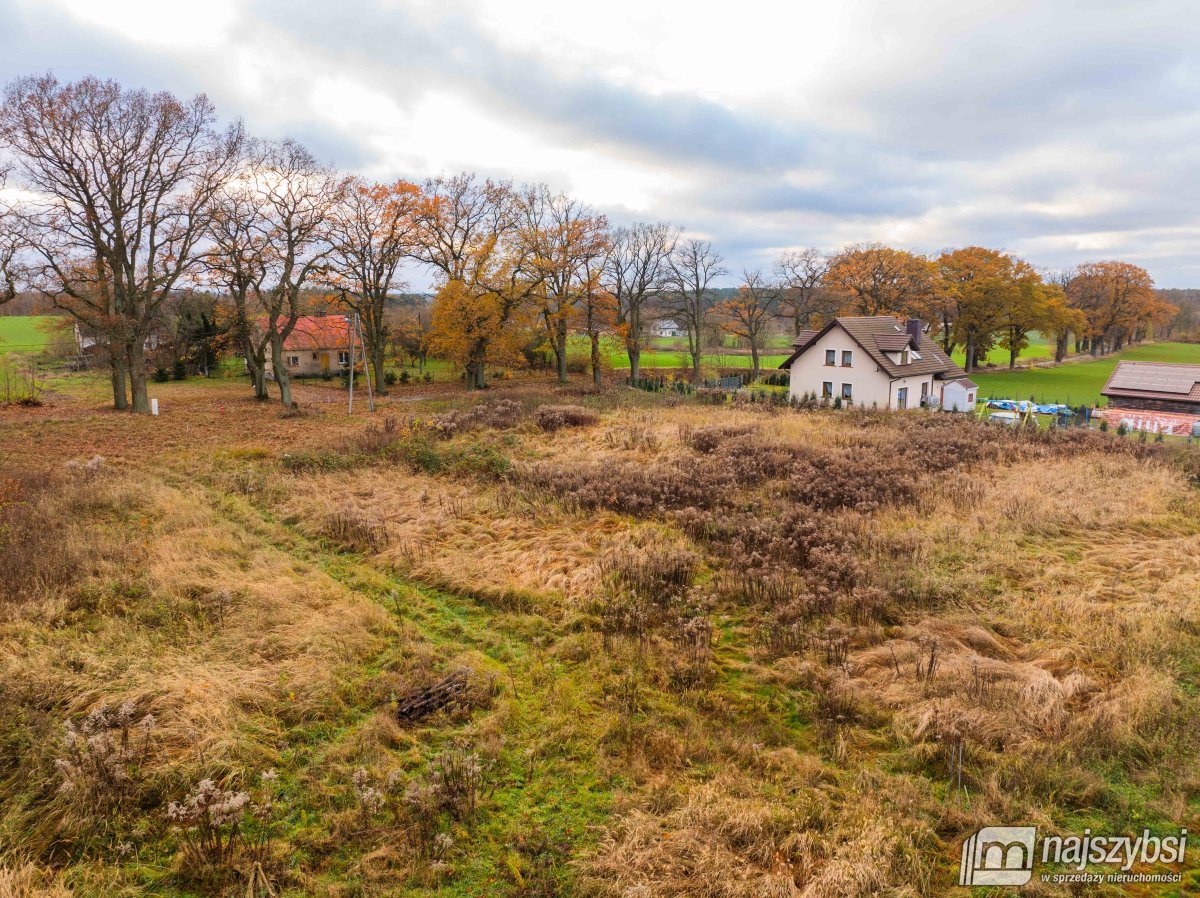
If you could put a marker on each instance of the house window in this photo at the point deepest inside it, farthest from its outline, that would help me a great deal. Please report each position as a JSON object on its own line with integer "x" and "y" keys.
{"x": 902, "y": 397}
{"x": 827, "y": 390}
{"x": 316, "y": 355}
{"x": 847, "y": 391}
{"x": 847, "y": 358}
{"x": 343, "y": 357}
{"x": 971, "y": 398}
{"x": 830, "y": 357}
{"x": 293, "y": 361}
{"x": 924, "y": 392}
{"x": 904, "y": 357}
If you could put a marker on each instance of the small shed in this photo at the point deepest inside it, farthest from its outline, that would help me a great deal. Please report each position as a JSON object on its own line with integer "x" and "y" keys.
{"x": 958, "y": 395}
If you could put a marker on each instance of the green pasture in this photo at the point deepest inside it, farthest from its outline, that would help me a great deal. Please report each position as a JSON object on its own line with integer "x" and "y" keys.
{"x": 1076, "y": 382}
{"x": 24, "y": 333}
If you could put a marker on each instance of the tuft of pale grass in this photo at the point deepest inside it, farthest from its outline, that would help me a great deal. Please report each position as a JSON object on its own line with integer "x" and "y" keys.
{"x": 25, "y": 880}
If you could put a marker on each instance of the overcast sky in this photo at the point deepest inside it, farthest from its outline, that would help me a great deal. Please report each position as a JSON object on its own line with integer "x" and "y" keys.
{"x": 1061, "y": 131}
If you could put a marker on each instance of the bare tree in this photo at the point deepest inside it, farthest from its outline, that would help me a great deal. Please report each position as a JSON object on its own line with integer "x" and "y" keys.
{"x": 236, "y": 262}
{"x": 297, "y": 196}
{"x": 803, "y": 296}
{"x": 637, "y": 268}
{"x": 122, "y": 184}
{"x": 693, "y": 266}
{"x": 373, "y": 232}
{"x": 270, "y": 242}
{"x": 10, "y": 245}
{"x": 749, "y": 313}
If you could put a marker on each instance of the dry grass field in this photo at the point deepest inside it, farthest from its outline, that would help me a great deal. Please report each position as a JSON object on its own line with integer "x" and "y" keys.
{"x": 715, "y": 652}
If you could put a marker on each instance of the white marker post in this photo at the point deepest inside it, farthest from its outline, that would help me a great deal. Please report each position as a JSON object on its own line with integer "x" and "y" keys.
{"x": 154, "y": 406}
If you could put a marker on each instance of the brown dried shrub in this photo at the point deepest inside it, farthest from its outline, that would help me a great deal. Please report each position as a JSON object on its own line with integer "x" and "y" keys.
{"x": 556, "y": 417}
{"x": 632, "y": 488}
{"x": 497, "y": 414}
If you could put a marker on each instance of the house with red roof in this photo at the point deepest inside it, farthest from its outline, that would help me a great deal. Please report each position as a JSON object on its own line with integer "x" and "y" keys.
{"x": 317, "y": 345}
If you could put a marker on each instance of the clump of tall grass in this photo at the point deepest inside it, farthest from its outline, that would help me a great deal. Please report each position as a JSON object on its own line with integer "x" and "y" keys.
{"x": 354, "y": 530}
{"x": 45, "y": 540}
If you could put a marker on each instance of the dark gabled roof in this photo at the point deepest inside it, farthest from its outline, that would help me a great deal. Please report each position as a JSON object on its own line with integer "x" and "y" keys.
{"x": 894, "y": 342}
{"x": 1154, "y": 380}
{"x": 803, "y": 338}
{"x": 965, "y": 381}
{"x": 870, "y": 332}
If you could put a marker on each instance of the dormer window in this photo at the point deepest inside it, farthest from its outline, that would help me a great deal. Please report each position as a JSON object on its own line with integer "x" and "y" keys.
{"x": 903, "y": 356}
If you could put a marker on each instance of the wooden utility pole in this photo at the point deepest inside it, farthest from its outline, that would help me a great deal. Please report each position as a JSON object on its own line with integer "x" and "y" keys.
{"x": 356, "y": 340}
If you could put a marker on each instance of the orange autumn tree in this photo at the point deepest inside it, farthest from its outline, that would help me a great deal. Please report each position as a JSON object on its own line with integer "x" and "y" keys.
{"x": 469, "y": 232}
{"x": 474, "y": 330}
{"x": 987, "y": 297}
{"x": 872, "y": 279}
{"x": 1119, "y": 301}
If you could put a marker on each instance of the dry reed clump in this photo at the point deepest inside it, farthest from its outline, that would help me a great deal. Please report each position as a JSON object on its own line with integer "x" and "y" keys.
{"x": 555, "y": 417}
{"x": 658, "y": 571}
{"x": 354, "y": 530}
{"x": 708, "y": 438}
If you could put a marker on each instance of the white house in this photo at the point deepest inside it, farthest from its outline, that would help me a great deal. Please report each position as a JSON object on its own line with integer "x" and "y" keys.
{"x": 668, "y": 327}
{"x": 959, "y": 395}
{"x": 876, "y": 361}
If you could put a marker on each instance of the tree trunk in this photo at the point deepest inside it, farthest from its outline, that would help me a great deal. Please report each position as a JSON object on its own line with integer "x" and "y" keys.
{"x": 377, "y": 353}
{"x": 970, "y": 359}
{"x": 635, "y": 361}
{"x": 120, "y": 366}
{"x": 560, "y": 350}
{"x": 597, "y": 376}
{"x": 137, "y": 376}
{"x": 258, "y": 373}
{"x": 1060, "y": 347}
{"x": 755, "y": 369}
{"x": 281, "y": 375}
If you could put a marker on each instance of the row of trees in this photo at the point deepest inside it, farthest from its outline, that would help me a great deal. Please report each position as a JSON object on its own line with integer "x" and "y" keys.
{"x": 131, "y": 197}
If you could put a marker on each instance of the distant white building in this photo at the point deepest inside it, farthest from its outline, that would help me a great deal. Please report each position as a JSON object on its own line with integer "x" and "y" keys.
{"x": 668, "y": 327}
{"x": 876, "y": 361}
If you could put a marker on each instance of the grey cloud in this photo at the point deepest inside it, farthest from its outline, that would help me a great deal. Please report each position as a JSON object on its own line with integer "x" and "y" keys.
{"x": 963, "y": 118}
